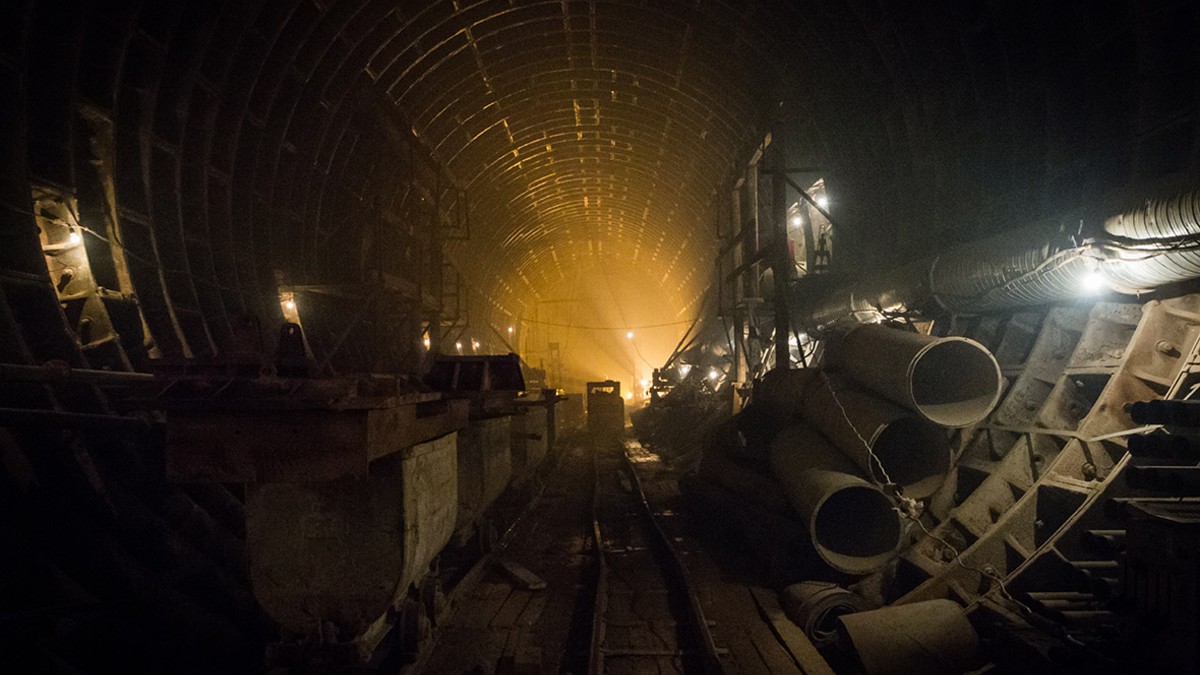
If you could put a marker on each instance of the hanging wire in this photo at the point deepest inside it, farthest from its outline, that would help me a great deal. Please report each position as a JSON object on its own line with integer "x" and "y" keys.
{"x": 911, "y": 509}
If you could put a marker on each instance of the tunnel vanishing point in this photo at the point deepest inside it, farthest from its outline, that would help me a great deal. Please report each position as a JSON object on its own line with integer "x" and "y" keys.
{"x": 303, "y": 301}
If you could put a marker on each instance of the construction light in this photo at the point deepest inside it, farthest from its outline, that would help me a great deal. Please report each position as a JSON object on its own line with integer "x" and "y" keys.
{"x": 74, "y": 237}
{"x": 714, "y": 374}
{"x": 684, "y": 369}
{"x": 426, "y": 343}
{"x": 823, "y": 202}
{"x": 510, "y": 330}
{"x": 797, "y": 221}
{"x": 458, "y": 346}
{"x": 474, "y": 344}
{"x": 1092, "y": 283}
{"x": 645, "y": 383}
{"x": 629, "y": 335}
{"x": 290, "y": 304}
{"x": 629, "y": 396}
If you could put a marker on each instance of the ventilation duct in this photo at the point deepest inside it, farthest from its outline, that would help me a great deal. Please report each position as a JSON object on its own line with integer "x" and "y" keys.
{"x": 1134, "y": 251}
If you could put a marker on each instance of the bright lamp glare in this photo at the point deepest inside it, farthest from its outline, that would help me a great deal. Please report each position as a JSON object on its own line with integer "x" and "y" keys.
{"x": 74, "y": 237}
{"x": 1092, "y": 282}
{"x": 629, "y": 395}
{"x": 645, "y": 383}
{"x": 684, "y": 369}
{"x": 714, "y": 374}
{"x": 823, "y": 202}
{"x": 797, "y": 221}
{"x": 510, "y": 329}
{"x": 290, "y": 304}
{"x": 458, "y": 346}
{"x": 629, "y": 335}
{"x": 426, "y": 343}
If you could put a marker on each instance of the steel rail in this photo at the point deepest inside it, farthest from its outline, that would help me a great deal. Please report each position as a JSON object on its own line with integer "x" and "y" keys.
{"x": 693, "y": 625}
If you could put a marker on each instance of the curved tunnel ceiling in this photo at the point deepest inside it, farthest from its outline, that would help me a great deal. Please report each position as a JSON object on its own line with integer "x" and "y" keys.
{"x": 249, "y": 144}
{"x": 590, "y": 136}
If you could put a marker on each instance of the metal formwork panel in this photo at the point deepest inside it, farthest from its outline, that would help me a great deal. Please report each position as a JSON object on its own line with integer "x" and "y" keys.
{"x": 343, "y": 551}
{"x": 1033, "y": 477}
{"x": 484, "y": 465}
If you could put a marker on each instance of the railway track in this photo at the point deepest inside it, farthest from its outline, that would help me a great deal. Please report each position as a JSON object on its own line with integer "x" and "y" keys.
{"x": 646, "y": 616}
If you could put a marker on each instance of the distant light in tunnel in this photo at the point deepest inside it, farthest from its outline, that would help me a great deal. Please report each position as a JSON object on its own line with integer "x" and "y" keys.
{"x": 426, "y": 343}
{"x": 74, "y": 237}
{"x": 629, "y": 396}
{"x": 474, "y": 344}
{"x": 645, "y": 383}
{"x": 714, "y": 374}
{"x": 290, "y": 304}
{"x": 458, "y": 346}
{"x": 823, "y": 202}
{"x": 629, "y": 335}
{"x": 510, "y": 330}
{"x": 1093, "y": 282}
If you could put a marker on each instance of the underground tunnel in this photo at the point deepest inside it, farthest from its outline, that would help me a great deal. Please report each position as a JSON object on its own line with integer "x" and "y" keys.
{"x": 758, "y": 337}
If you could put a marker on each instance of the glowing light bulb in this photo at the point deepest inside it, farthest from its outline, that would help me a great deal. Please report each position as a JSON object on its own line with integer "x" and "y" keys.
{"x": 797, "y": 221}
{"x": 290, "y": 304}
{"x": 458, "y": 346}
{"x": 629, "y": 335}
{"x": 714, "y": 374}
{"x": 474, "y": 344}
{"x": 684, "y": 369}
{"x": 629, "y": 395}
{"x": 645, "y": 383}
{"x": 1092, "y": 282}
{"x": 426, "y": 343}
{"x": 74, "y": 237}
{"x": 823, "y": 202}
{"x": 510, "y": 330}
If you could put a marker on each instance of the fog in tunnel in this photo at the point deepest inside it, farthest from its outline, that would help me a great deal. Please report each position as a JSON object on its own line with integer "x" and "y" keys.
{"x": 183, "y": 182}
{"x": 389, "y": 171}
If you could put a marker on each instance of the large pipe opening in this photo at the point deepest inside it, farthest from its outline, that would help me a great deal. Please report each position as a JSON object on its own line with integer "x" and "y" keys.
{"x": 914, "y": 453}
{"x": 855, "y": 530}
{"x": 954, "y": 382}
{"x": 853, "y": 525}
{"x": 889, "y": 443}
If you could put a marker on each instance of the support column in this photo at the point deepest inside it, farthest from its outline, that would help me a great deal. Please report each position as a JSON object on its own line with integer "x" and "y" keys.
{"x": 781, "y": 267}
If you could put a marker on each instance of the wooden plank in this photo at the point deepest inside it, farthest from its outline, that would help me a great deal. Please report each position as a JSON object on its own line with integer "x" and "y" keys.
{"x": 533, "y": 611}
{"x": 512, "y": 609}
{"x": 521, "y": 575}
{"x": 790, "y": 635}
{"x": 482, "y": 605}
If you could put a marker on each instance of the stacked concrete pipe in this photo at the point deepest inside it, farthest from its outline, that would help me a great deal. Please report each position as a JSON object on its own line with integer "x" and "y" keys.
{"x": 852, "y": 523}
{"x": 885, "y": 441}
{"x": 950, "y": 381}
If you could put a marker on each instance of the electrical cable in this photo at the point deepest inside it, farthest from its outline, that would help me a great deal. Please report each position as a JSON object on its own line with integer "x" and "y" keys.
{"x": 911, "y": 509}
{"x": 609, "y": 328}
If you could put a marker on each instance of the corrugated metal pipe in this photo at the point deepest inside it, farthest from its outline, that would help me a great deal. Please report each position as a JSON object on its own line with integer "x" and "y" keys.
{"x": 1136, "y": 250}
